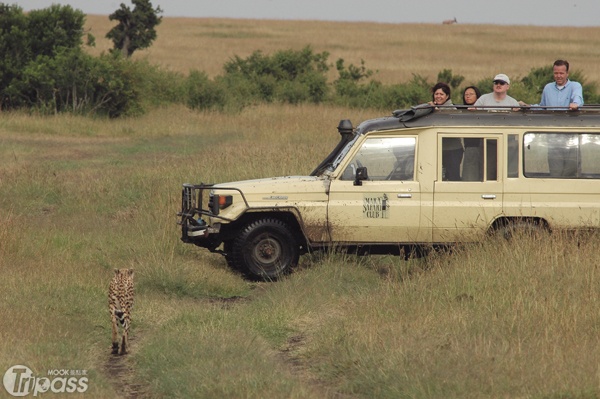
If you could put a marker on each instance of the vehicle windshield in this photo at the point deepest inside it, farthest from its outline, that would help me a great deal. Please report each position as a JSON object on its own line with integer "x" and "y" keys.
{"x": 337, "y": 155}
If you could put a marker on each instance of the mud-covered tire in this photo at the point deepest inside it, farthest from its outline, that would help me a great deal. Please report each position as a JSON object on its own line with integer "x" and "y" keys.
{"x": 228, "y": 253}
{"x": 265, "y": 249}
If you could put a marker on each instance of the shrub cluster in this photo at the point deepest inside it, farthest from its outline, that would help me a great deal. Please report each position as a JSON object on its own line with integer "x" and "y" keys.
{"x": 301, "y": 76}
{"x": 287, "y": 76}
{"x": 45, "y": 69}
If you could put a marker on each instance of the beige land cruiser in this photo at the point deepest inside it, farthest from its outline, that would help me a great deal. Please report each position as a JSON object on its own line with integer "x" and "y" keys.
{"x": 420, "y": 177}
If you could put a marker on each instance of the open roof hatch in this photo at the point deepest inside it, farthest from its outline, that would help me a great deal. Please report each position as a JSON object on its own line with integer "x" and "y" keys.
{"x": 405, "y": 115}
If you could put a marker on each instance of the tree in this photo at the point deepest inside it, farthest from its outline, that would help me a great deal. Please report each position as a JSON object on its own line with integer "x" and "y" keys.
{"x": 53, "y": 28}
{"x": 14, "y": 49}
{"x": 135, "y": 29}
{"x": 26, "y": 39}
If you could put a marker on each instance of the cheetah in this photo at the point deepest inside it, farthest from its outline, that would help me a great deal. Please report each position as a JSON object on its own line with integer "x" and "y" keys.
{"x": 120, "y": 302}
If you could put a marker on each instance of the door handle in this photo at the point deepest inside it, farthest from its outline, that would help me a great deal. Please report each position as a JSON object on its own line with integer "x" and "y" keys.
{"x": 404, "y": 195}
{"x": 488, "y": 196}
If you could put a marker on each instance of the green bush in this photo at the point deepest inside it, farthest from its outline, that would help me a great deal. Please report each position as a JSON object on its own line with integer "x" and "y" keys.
{"x": 15, "y": 52}
{"x": 45, "y": 69}
{"x": 279, "y": 77}
{"x": 416, "y": 91}
{"x": 452, "y": 80}
{"x": 54, "y": 28}
{"x": 293, "y": 92}
{"x": 354, "y": 89}
{"x": 316, "y": 83}
{"x": 157, "y": 86}
{"x": 204, "y": 94}
{"x": 76, "y": 82}
{"x": 35, "y": 37}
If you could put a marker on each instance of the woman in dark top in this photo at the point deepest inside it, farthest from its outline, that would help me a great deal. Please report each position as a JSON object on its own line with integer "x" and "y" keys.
{"x": 470, "y": 95}
{"x": 473, "y": 157}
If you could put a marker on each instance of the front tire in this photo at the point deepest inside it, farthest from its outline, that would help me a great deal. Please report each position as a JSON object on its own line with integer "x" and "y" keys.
{"x": 228, "y": 249}
{"x": 513, "y": 229}
{"x": 266, "y": 249}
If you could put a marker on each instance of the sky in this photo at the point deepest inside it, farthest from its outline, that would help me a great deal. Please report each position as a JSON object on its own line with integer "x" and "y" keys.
{"x": 506, "y": 12}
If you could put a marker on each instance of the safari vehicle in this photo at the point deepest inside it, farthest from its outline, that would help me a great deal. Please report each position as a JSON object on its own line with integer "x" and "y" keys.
{"x": 419, "y": 177}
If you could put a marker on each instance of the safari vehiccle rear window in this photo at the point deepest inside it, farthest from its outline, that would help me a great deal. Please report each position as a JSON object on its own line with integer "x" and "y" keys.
{"x": 561, "y": 155}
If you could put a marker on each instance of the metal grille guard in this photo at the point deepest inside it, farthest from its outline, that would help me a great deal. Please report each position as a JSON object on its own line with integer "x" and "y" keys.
{"x": 191, "y": 204}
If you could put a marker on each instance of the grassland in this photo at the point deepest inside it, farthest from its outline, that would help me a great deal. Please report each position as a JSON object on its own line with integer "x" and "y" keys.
{"x": 395, "y": 51}
{"x": 81, "y": 196}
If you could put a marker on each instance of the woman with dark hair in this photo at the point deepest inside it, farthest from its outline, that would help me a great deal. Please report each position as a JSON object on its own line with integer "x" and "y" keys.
{"x": 452, "y": 149}
{"x": 470, "y": 95}
{"x": 440, "y": 94}
{"x": 473, "y": 157}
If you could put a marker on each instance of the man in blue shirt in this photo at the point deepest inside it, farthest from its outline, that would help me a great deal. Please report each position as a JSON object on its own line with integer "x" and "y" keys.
{"x": 562, "y": 92}
{"x": 563, "y": 160}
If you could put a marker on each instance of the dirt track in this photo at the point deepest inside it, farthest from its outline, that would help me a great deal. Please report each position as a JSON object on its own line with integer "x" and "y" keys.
{"x": 120, "y": 369}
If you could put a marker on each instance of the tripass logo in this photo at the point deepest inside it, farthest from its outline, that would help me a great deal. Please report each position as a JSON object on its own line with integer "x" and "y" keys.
{"x": 20, "y": 381}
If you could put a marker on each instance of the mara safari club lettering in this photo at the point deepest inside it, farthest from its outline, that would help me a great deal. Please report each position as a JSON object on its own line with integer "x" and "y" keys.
{"x": 376, "y": 206}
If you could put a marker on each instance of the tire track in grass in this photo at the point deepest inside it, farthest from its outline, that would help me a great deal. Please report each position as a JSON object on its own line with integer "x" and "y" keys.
{"x": 288, "y": 354}
{"x": 120, "y": 370}
{"x": 300, "y": 368}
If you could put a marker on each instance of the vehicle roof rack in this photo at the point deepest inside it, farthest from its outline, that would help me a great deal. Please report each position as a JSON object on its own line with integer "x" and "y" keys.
{"x": 418, "y": 111}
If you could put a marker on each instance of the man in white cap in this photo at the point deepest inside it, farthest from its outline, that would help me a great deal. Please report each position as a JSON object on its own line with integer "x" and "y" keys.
{"x": 499, "y": 97}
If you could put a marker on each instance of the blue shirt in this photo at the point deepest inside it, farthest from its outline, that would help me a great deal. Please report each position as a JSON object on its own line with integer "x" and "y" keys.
{"x": 552, "y": 96}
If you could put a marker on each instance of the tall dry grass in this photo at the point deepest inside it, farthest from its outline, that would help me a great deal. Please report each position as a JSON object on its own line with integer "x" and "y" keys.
{"x": 395, "y": 51}
{"x": 498, "y": 319}
{"x": 79, "y": 197}
{"x": 82, "y": 196}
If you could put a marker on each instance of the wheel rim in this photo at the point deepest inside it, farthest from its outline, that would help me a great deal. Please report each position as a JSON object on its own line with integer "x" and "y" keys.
{"x": 267, "y": 251}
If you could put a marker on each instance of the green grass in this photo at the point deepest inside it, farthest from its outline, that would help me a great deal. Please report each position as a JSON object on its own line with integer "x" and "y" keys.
{"x": 495, "y": 319}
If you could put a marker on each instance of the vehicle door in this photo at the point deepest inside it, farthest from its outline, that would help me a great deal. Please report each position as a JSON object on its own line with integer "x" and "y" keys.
{"x": 386, "y": 206}
{"x": 468, "y": 189}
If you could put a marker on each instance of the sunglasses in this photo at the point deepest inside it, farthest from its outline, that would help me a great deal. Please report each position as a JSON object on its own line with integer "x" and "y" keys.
{"x": 500, "y": 82}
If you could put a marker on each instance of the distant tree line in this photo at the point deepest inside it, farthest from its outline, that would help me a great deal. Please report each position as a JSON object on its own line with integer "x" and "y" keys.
{"x": 45, "y": 69}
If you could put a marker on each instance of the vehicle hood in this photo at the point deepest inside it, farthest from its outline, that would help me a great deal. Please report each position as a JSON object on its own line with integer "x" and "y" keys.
{"x": 279, "y": 187}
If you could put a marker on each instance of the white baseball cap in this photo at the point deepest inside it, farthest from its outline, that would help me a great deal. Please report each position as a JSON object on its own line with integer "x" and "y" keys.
{"x": 502, "y": 77}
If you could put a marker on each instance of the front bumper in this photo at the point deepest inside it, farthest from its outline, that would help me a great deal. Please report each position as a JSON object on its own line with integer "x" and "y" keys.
{"x": 199, "y": 215}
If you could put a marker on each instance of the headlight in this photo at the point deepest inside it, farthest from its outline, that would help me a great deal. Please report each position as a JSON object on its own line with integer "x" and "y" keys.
{"x": 218, "y": 202}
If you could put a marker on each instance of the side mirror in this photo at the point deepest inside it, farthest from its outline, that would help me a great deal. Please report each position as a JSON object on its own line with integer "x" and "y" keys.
{"x": 361, "y": 174}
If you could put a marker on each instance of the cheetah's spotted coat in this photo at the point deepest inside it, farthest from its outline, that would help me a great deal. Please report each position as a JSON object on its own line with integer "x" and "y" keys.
{"x": 120, "y": 303}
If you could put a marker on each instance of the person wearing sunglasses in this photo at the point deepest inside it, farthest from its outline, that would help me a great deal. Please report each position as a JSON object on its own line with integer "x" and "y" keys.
{"x": 499, "y": 96}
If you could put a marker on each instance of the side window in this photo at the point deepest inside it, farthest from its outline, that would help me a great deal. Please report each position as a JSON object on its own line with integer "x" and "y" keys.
{"x": 390, "y": 158}
{"x": 469, "y": 159}
{"x": 473, "y": 160}
{"x": 561, "y": 155}
{"x": 452, "y": 157}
